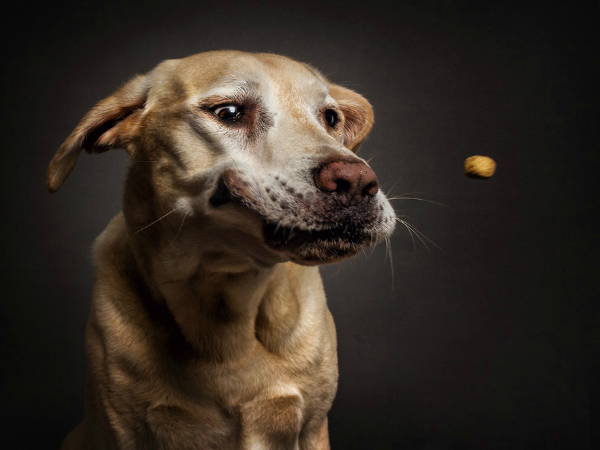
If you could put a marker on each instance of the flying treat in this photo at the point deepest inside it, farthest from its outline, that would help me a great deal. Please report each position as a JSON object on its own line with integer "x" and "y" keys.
{"x": 479, "y": 167}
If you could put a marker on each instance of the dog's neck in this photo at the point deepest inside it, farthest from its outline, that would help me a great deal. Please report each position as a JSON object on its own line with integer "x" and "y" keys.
{"x": 226, "y": 315}
{"x": 223, "y": 314}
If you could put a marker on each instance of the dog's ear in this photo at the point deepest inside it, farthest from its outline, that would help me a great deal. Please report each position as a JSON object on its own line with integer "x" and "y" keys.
{"x": 358, "y": 115}
{"x": 103, "y": 128}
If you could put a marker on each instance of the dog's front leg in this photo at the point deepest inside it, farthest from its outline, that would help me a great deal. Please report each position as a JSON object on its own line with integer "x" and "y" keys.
{"x": 323, "y": 437}
{"x": 315, "y": 437}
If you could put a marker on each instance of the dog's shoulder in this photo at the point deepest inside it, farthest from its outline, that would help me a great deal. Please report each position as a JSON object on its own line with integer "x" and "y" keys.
{"x": 119, "y": 288}
{"x": 111, "y": 247}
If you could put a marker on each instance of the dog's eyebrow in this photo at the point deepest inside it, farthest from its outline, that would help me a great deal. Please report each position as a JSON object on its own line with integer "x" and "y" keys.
{"x": 229, "y": 89}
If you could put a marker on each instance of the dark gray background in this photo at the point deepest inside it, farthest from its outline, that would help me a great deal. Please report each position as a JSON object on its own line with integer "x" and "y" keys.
{"x": 489, "y": 342}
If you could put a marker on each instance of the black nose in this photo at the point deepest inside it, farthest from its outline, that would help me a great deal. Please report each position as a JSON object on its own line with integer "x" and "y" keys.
{"x": 350, "y": 181}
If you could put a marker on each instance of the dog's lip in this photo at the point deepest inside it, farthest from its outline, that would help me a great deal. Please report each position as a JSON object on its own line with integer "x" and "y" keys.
{"x": 283, "y": 236}
{"x": 316, "y": 246}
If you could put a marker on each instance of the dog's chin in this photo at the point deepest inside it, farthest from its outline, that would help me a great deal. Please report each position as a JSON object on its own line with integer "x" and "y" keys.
{"x": 316, "y": 247}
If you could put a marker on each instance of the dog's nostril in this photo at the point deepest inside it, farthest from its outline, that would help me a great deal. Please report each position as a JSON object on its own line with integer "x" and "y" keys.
{"x": 371, "y": 189}
{"x": 342, "y": 185}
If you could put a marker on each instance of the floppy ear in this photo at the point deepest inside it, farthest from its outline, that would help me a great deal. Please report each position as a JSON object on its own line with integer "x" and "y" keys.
{"x": 102, "y": 129}
{"x": 357, "y": 112}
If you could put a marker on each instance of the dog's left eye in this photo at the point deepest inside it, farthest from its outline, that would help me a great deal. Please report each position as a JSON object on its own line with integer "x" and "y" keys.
{"x": 331, "y": 118}
{"x": 228, "y": 113}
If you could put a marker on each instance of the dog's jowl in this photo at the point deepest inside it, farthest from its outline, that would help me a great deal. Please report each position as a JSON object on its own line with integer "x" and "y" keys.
{"x": 209, "y": 326}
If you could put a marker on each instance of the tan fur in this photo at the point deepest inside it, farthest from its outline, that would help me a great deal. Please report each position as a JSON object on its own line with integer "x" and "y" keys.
{"x": 201, "y": 335}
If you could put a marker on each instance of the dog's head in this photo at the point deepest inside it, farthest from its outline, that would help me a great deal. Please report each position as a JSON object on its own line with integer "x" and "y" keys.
{"x": 236, "y": 153}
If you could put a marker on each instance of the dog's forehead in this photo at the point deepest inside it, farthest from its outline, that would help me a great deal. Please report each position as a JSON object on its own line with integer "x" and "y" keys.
{"x": 229, "y": 72}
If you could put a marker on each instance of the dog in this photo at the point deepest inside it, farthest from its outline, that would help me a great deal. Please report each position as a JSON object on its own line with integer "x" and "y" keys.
{"x": 209, "y": 327}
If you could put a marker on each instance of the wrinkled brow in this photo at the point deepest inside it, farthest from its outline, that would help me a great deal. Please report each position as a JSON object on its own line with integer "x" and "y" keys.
{"x": 227, "y": 88}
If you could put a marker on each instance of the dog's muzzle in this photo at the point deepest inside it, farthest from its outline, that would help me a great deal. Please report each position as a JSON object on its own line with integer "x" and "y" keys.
{"x": 334, "y": 218}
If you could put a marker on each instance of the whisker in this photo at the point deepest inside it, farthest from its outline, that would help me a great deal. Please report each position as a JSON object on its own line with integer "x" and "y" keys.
{"x": 410, "y": 232}
{"x": 413, "y": 193}
{"x": 412, "y": 236}
{"x": 417, "y": 198}
{"x": 389, "y": 249}
{"x": 373, "y": 157}
{"x": 393, "y": 186}
{"x": 160, "y": 218}
{"x": 418, "y": 234}
{"x": 422, "y": 234}
{"x": 179, "y": 230}
{"x": 418, "y": 237}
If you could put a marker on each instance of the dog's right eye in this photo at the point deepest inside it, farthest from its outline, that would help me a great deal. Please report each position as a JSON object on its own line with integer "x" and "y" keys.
{"x": 332, "y": 118}
{"x": 228, "y": 113}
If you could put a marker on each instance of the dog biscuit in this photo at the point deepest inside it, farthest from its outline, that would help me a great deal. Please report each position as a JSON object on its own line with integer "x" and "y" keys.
{"x": 480, "y": 167}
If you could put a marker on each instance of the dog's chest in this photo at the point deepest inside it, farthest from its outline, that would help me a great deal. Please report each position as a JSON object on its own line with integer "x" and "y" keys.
{"x": 247, "y": 381}
{"x": 271, "y": 416}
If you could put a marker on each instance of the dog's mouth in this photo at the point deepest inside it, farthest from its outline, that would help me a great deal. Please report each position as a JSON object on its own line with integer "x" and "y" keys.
{"x": 312, "y": 246}
{"x": 311, "y": 229}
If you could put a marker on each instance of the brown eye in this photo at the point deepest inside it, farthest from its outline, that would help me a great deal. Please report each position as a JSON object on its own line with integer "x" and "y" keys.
{"x": 228, "y": 113}
{"x": 331, "y": 118}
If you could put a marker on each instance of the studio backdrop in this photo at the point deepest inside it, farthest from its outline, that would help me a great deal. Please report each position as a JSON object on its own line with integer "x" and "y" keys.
{"x": 475, "y": 328}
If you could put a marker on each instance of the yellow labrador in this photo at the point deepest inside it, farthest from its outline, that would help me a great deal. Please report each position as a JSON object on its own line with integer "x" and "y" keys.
{"x": 209, "y": 326}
